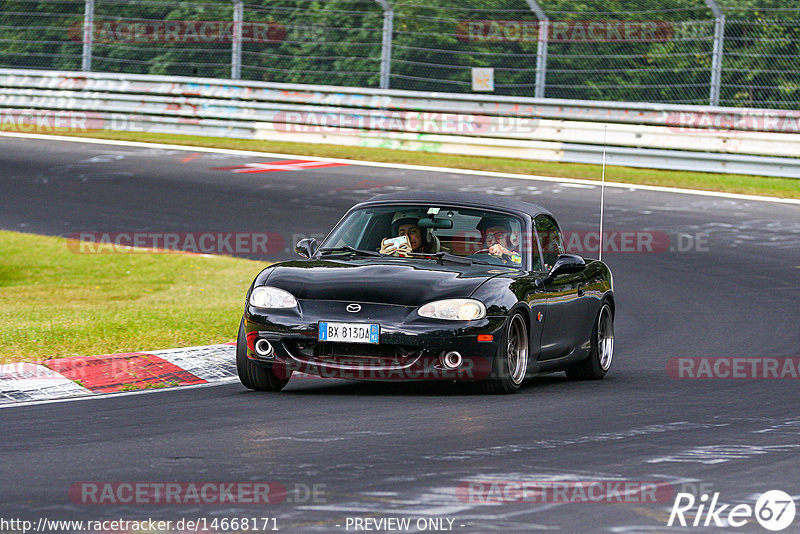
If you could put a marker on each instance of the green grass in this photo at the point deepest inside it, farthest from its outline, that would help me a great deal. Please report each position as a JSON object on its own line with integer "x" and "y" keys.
{"x": 56, "y": 303}
{"x": 149, "y": 385}
{"x": 729, "y": 183}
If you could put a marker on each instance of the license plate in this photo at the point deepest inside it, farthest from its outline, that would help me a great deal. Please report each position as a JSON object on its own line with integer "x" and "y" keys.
{"x": 349, "y": 332}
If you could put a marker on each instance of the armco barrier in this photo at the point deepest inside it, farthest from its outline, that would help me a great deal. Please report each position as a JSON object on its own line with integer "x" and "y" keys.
{"x": 732, "y": 140}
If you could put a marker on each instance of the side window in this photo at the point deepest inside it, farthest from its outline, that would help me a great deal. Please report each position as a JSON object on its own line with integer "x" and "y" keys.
{"x": 550, "y": 239}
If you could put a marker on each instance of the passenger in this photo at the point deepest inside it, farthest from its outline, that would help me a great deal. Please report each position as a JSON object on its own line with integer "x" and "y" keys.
{"x": 407, "y": 224}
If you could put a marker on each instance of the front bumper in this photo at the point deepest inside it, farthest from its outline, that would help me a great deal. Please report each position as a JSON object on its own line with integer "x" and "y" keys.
{"x": 410, "y": 347}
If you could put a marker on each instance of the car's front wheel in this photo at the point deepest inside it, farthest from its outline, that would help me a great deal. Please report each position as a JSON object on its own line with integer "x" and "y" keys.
{"x": 259, "y": 377}
{"x": 598, "y": 363}
{"x": 511, "y": 362}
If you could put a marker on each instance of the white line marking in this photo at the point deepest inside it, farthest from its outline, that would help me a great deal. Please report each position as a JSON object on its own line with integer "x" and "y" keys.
{"x": 469, "y": 172}
{"x": 577, "y": 186}
{"x": 97, "y": 396}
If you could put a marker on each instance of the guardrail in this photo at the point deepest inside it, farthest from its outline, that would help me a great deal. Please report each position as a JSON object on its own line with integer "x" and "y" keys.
{"x": 732, "y": 140}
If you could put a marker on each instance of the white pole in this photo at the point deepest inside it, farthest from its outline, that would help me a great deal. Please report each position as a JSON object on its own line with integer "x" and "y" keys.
{"x": 386, "y": 45}
{"x": 603, "y": 191}
{"x": 88, "y": 35}
{"x": 236, "y": 44}
{"x": 717, "y": 53}
{"x": 541, "y": 49}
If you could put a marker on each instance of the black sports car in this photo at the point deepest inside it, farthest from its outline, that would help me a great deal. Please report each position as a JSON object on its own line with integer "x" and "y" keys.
{"x": 430, "y": 286}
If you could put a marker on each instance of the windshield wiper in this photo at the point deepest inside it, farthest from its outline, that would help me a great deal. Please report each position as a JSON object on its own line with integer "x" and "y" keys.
{"x": 441, "y": 256}
{"x": 348, "y": 248}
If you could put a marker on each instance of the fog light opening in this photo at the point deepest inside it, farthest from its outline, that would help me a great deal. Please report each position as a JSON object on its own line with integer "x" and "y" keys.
{"x": 263, "y": 348}
{"x": 451, "y": 360}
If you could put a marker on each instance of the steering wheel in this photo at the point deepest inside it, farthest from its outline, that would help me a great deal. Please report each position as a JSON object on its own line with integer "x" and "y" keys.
{"x": 485, "y": 252}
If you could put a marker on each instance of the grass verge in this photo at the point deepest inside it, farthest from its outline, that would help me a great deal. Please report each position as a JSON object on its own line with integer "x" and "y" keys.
{"x": 729, "y": 183}
{"x": 56, "y": 303}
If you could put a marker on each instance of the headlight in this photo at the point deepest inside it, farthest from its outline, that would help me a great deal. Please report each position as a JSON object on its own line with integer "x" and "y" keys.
{"x": 454, "y": 310}
{"x": 271, "y": 297}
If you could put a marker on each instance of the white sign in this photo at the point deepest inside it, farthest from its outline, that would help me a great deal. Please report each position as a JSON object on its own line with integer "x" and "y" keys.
{"x": 482, "y": 79}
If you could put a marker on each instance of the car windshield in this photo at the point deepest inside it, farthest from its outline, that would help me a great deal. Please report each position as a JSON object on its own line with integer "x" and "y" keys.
{"x": 483, "y": 236}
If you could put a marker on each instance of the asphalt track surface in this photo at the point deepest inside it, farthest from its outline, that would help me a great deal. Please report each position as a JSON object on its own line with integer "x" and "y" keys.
{"x": 401, "y": 450}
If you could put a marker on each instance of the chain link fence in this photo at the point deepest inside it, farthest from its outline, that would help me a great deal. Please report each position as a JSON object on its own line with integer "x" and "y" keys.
{"x": 719, "y": 52}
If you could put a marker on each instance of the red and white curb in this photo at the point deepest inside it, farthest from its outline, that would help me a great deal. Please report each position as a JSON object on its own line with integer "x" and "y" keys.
{"x": 91, "y": 375}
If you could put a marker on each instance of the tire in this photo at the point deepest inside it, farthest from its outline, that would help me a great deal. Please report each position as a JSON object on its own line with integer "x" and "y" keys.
{"x": 596, "y": 366}
{"x": 258, "y": 377}
{"x": 511, "y": 363}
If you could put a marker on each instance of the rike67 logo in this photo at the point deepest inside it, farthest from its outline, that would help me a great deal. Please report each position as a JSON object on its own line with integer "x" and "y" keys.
{"x": 774, "y": 510}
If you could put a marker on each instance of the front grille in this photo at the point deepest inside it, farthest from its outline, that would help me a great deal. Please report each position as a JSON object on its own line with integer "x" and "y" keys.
{"x": 357, "y": 354}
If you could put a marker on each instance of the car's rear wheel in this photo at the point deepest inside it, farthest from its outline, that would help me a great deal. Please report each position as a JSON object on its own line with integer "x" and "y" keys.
{"x": 598, "y": 363}
{"x": 511, "y": 362}
{"x": 259, "y": 377}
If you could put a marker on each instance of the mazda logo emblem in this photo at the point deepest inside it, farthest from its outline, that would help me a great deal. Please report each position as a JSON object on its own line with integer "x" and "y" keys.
{"x": 354, "y": 308}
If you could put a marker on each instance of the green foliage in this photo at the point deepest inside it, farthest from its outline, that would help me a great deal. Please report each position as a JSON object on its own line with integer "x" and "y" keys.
{"x": 338, "y": 42}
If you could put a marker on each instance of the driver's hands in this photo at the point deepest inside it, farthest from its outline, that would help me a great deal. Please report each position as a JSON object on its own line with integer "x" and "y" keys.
{"x": 394, "y": 250}
{"x": 499, "y": 250}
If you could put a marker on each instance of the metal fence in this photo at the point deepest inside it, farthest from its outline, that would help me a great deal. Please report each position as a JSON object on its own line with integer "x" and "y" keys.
{"x": 718, "y": 52}
{"x": 661, "y": 136}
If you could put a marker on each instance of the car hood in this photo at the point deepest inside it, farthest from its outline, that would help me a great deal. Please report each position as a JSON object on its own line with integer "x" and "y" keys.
{"x": 405, "y": 283}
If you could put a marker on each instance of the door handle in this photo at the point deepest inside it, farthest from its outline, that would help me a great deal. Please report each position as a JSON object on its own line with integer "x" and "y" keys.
{"x": 581, "y": 289}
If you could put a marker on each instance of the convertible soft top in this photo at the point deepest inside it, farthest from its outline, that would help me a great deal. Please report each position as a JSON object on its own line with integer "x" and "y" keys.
{"x": 465, "y": 199}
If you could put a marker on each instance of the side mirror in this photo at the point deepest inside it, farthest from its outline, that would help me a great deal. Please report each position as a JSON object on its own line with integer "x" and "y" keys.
{"x": 306, "y": 247}
{"x": 567, "y": 264}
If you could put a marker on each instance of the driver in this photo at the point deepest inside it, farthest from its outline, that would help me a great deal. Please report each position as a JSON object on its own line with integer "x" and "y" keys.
{"x": 498, "y": 239}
